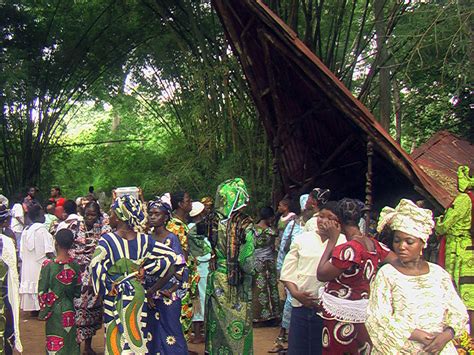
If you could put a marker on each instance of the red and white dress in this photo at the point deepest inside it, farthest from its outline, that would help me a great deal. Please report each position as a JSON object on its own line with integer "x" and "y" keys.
{"x": 345, "y": 298}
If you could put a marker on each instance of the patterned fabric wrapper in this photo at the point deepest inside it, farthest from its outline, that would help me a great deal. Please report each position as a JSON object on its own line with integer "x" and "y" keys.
{"x": 408, "y": 218}
{"x": 303, "y": 200}
{"x": 163, "y": 203}
{"x": 4, "y": 213}
{"x": 465, "y": 181}
{"x": 231, "y": 196}
{"x": 130, "y": 210}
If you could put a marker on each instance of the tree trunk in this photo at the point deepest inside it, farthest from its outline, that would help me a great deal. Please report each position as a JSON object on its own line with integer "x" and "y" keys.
{"x": 293, "y": 14}
{"x": 384, "y": 73}
{"x": 398, "y": 112}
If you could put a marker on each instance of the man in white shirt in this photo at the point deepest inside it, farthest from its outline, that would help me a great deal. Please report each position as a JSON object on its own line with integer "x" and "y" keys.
{"x": 299, "y": 276}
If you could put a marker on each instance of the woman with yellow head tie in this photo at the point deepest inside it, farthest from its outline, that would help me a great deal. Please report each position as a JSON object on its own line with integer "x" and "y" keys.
{"x": 119, "y": 264}
{"x": 413, "y": 306}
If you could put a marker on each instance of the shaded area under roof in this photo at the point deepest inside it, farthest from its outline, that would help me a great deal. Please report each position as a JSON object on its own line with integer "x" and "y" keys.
{"x": 317, "y": 128}
{"x": 441, "y": 156}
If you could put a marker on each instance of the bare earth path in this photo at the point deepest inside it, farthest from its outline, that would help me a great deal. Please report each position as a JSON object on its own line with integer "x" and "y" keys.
{"x": 32, "y": 336}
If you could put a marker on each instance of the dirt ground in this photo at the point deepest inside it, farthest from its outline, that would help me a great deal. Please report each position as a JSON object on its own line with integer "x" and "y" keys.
{"x": 32, "y": 337}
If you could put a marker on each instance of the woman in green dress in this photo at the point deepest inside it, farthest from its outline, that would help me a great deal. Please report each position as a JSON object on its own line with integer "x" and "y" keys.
{"x": 59, "y": 284}
{"x": 266, "y": 300}
{"x": 457, "y": 225}
{"x": 229, "y": 289}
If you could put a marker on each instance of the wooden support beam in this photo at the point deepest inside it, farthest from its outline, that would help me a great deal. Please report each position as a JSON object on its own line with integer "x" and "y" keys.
{"x": 337, "y": 152}
{"x": 368, "y": 182}
{"x": 279, "y": 112}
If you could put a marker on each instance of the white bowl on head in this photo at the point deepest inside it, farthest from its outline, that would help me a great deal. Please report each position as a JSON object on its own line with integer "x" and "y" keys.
{"x": 132, "y": 190}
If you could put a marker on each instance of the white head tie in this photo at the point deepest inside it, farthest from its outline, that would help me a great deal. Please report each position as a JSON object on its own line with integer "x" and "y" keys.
{"x": 408, "y": 218}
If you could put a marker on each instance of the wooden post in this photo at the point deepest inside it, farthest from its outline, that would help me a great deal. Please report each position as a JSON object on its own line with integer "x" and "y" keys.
{"x": 368, "y": 182}
{"x": 277, "y": 171}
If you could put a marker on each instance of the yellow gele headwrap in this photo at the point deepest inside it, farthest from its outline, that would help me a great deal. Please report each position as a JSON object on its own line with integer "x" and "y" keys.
{"x": 207, "y": 201}
{"x": 465, "y": 181}
{"x": 408, "y": 218}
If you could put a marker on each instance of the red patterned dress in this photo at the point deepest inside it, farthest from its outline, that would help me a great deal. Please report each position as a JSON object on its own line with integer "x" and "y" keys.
{"x": 89, "y": 309}
{"x": 345, "y": 298}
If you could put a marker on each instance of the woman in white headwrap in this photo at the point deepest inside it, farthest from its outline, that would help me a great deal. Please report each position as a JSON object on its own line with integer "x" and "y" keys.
{"x": 413, "y": 306}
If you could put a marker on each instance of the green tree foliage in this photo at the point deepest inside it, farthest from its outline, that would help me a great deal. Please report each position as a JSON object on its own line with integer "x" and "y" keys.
{"x": 420, "y": 49}
{"x": 165, "y": 100}
{"x": 201, "y": 127}
{"x": 433, "y": 76}
{"x": 53, "y": 55}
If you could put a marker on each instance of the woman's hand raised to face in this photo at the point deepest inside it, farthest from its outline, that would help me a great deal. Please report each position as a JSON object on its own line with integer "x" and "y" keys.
{"x": 332, "y": 229}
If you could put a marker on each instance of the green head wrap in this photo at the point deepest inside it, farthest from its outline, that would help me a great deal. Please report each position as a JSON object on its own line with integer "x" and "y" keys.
{"x": 231, "y": 196}
{"x": 465, "y": 181}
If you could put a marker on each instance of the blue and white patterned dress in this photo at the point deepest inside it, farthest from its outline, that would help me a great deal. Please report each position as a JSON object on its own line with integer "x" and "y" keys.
{"x": 164, "y": 323}
{"x": 114, "y": 269}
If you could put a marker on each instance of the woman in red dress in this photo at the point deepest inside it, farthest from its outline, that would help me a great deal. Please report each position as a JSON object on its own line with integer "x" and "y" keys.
{"x": 348, "y": 270}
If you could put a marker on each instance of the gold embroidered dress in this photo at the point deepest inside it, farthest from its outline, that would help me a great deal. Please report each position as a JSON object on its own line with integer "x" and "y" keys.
{"x": 399, "y": 304}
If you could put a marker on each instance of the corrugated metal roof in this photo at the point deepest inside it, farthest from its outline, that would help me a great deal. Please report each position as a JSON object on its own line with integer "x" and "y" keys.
{"x": 441, "y": 156}
{"x": 317, "y": 128}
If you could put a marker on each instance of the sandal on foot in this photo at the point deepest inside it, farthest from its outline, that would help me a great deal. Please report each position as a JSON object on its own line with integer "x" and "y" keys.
{"x": 278, "y": 345}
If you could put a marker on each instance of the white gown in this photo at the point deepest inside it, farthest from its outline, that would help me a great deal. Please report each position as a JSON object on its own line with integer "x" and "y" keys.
{"x": 9, "y": 258}
{"x": 35, "y": 243}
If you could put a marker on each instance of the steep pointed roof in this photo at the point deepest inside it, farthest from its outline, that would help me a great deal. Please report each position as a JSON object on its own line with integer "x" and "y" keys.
{"x": 317, "y": 128}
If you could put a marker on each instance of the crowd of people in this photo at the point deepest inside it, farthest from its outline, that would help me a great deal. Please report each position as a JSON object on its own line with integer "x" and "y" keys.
{"x": 160, "y": 274}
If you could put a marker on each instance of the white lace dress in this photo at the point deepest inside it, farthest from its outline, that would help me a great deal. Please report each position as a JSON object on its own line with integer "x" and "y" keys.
{"x": 399, "y": 304}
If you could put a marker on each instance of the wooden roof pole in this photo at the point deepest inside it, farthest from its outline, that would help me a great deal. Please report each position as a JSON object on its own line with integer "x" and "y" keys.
{"x": 368, "y": 183}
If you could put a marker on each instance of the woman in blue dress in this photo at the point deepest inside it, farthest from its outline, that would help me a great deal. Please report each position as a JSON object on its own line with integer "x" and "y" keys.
{"x": 164, "y": 316}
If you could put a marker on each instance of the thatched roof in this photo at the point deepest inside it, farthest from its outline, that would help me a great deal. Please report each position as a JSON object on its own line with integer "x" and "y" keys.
{"x": 318, "y": 129}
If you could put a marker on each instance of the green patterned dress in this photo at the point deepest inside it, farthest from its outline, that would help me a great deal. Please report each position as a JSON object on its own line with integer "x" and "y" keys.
{"x": 59, "y": 284}
{"x": 266, "y": 300}
{"x": 229, "y": 289}
{"x": 229, "y": 308}
{"x": 459, "y": 263}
